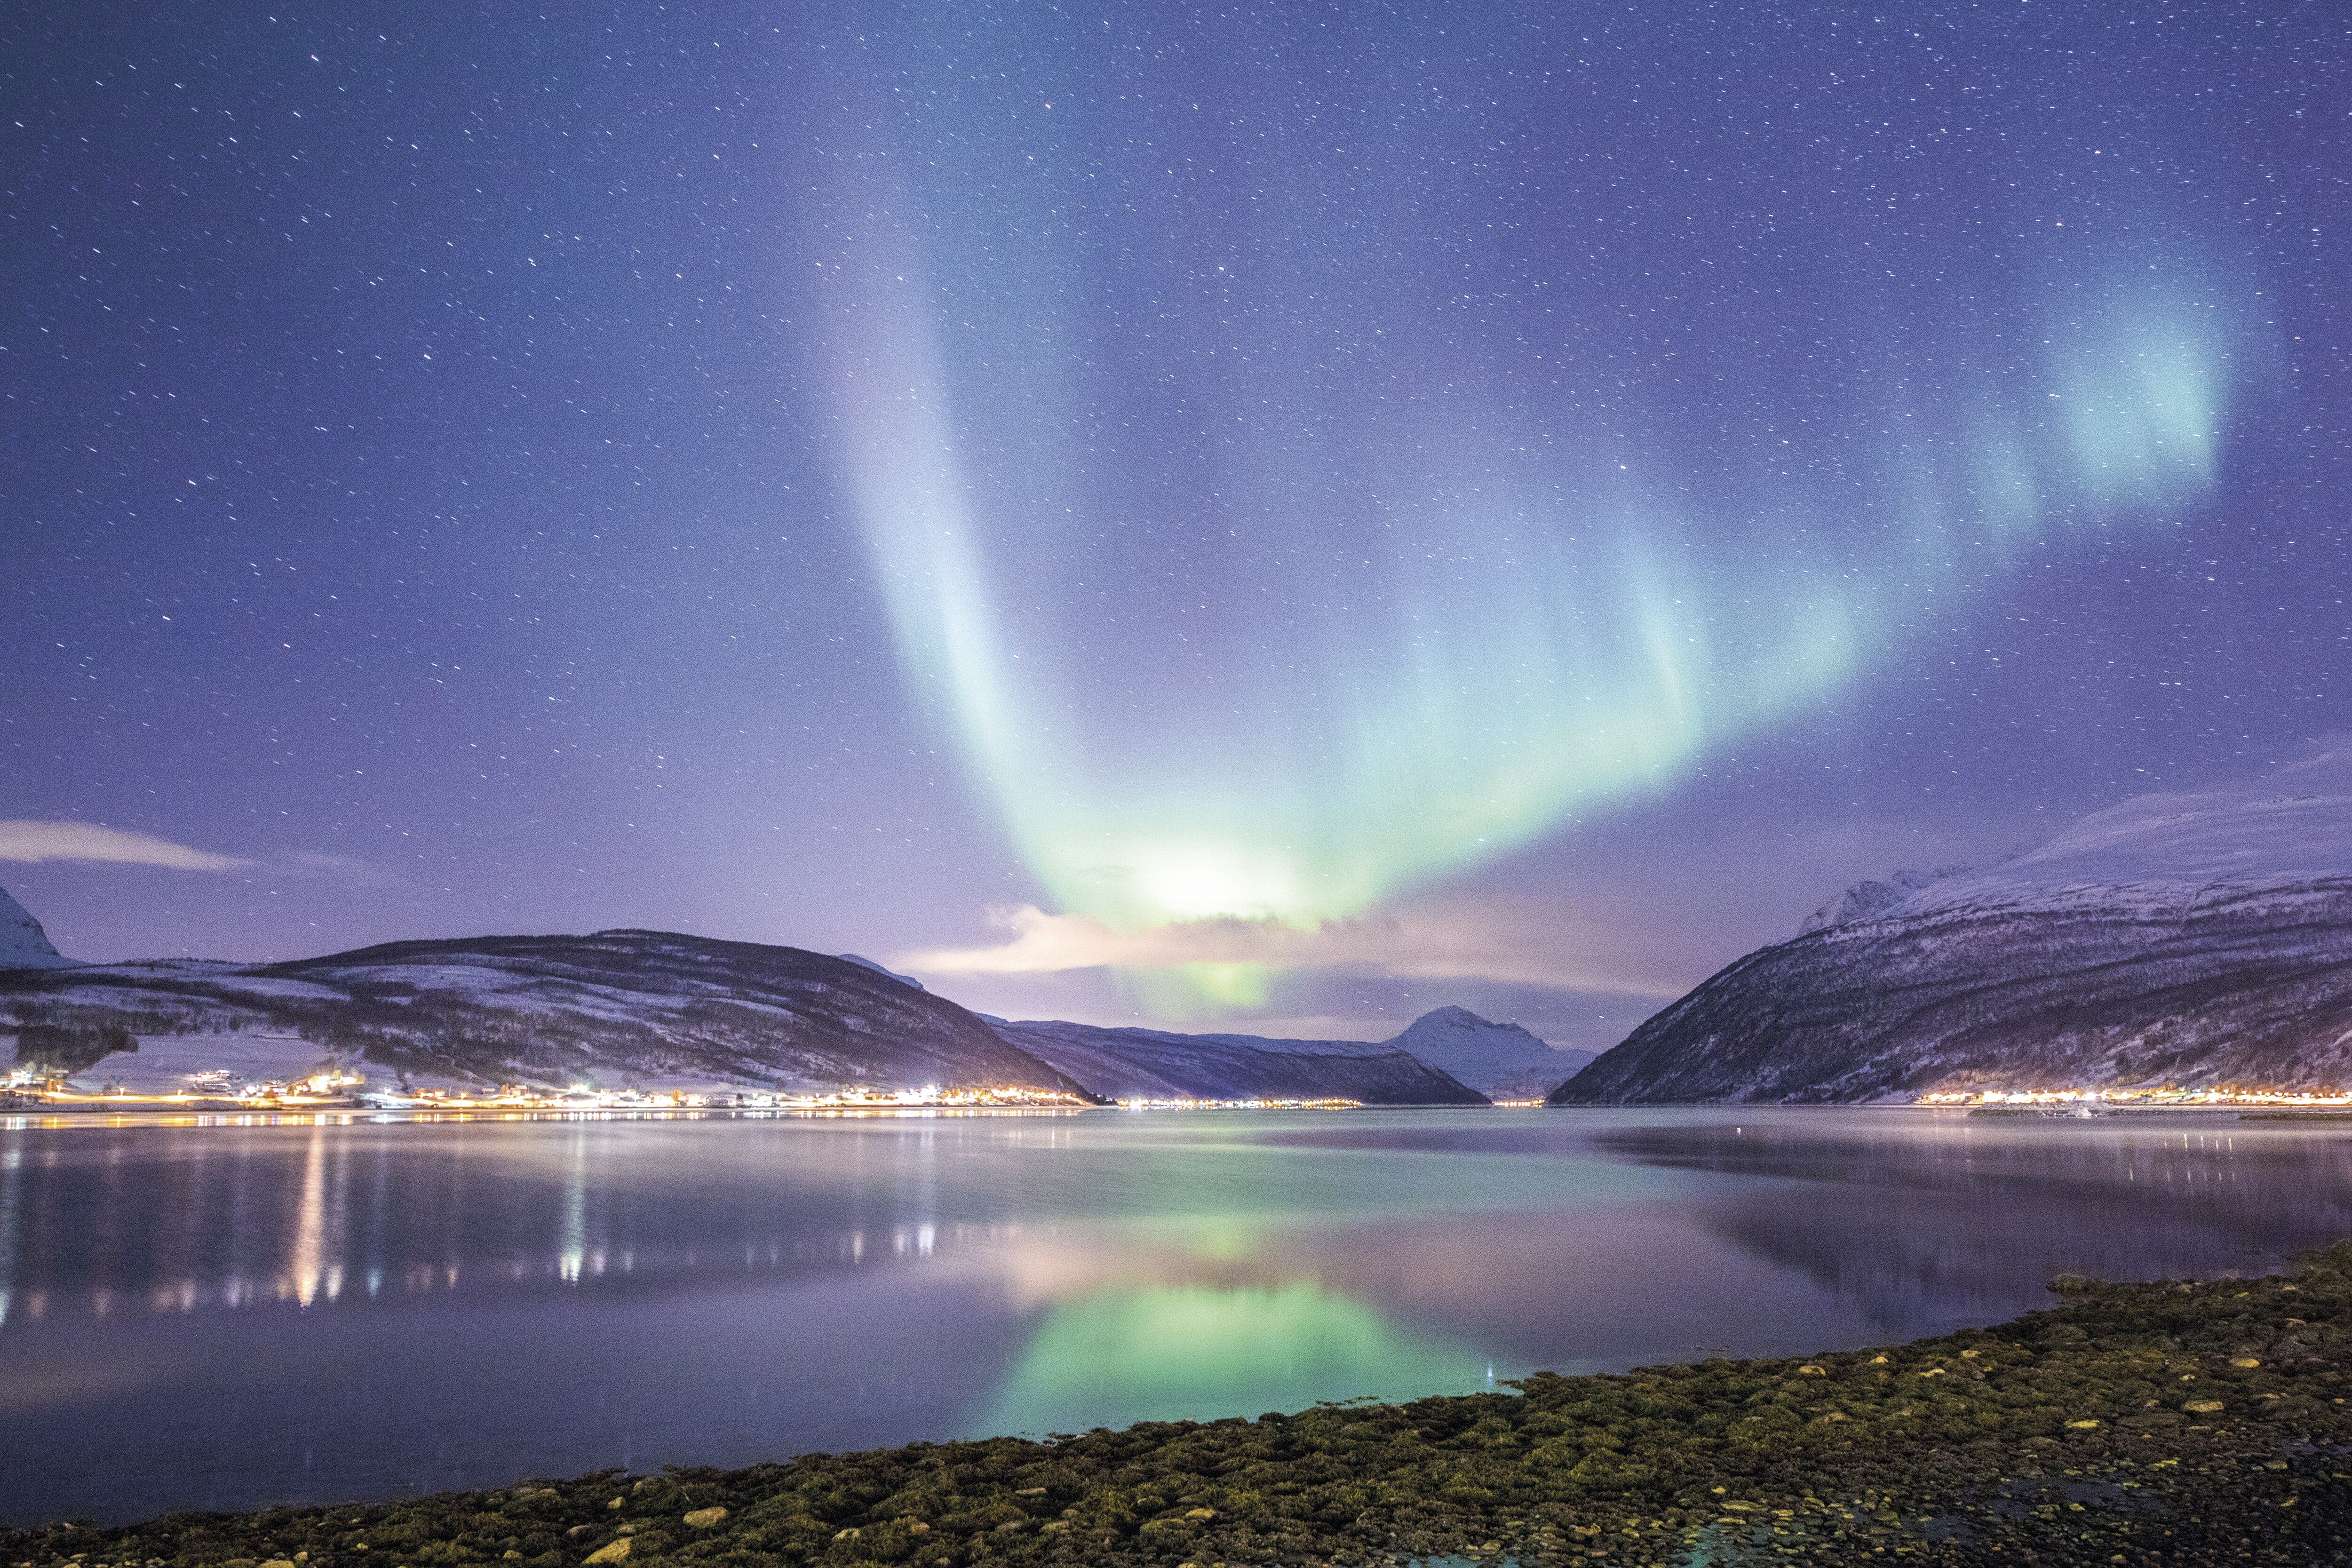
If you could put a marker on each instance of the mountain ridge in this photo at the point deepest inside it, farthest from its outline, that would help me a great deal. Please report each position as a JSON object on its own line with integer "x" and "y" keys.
{"x": 2198, "y": 940}
{"x": 23, "y": 943}
{"x": 1131, "y": 1063}
{"x": 550, "y": 1010}
{"x": 628, "y": 1006}
{"x": 556, "y": 1010}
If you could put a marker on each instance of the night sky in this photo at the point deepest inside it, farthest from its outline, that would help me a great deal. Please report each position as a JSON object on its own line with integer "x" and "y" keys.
{"x": 1286, "y": 515}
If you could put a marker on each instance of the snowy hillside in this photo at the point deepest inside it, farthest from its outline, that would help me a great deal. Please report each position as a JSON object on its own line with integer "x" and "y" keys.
{"x": 616, "y": 1008}
{"x": 2159, "y": 855}
{"x": 1500, "y": 1060}
{"x": 23, "y": 943}
{"x": 639, "y": 1008}
{"x": 1150, "y": 1064}
{"x": 2199, "y": 939}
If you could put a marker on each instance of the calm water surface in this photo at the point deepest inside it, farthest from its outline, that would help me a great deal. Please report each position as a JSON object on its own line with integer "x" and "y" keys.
{"x": 221, "y": 1316}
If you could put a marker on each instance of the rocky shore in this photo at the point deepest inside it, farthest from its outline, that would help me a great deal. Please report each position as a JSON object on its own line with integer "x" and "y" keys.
{"x": 2180, "y": 1422}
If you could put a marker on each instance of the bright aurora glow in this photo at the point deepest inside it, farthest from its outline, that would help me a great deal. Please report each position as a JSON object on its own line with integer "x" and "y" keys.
{"x": 1407, "y": 539}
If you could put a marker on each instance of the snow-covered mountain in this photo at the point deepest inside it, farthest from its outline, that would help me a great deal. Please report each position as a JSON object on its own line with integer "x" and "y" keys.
{"x": 1499, "y": 1061}
{"x": 2200, "y": 938}
{"x": 1152, "y": 1064}
{"x": 2164, "y": 854}
{"x": 23, "y": 943}
{"x": 652, "y": 1008}
{"x": 613, "y": 1008}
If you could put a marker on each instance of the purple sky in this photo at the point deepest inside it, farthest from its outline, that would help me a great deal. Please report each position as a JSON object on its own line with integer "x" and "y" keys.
{"x": 1335, "y": 510}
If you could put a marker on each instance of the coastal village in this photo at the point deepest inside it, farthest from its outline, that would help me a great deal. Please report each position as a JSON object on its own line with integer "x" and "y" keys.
{"x": 341, "y": 1088}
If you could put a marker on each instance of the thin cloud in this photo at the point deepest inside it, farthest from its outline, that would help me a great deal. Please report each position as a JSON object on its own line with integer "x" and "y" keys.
{"x": 318, "y": 865}
{"x": 1420, "y": 944}
{"x": 38, "y": 841}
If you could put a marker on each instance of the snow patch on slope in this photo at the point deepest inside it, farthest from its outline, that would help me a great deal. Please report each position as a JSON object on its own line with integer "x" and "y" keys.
{"x": 1867, "y": 901}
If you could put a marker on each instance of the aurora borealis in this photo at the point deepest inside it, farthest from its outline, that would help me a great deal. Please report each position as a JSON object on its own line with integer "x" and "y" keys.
{"x": 1540, "y": 548}
{"x": 1150, "y": 512}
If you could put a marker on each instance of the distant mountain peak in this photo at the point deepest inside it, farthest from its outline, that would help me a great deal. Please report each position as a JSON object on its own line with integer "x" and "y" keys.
{"x": 1450, "y": 1020}
{"x": 23, "y": 943}
{"x": 1458, "y": 1017}
{"x": 1491, "y": 1057}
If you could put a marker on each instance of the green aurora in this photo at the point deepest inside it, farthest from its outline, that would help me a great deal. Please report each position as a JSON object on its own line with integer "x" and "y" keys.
{"x": 1127, "y": 1354}
{"x": 1354, "y": 598}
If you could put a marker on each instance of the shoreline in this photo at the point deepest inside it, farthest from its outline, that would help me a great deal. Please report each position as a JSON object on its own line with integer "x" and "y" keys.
{"x": 2174, "y": 1422}
{"x": 229, "y": 1113}
{"x": 2250, "y": 1111}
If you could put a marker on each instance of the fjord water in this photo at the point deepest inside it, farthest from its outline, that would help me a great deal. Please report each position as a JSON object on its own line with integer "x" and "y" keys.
{"x": 222, "y": 1316}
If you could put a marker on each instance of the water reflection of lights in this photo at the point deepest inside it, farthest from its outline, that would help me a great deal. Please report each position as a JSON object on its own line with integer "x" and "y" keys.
{"x": 310, "y": 1219}
{"x": 571, "y": 1247}
{"x": 317, "y": 1270}
{"x": 313, "y": 1276}
{"x": 11, "y": 1219}
{"x": 315, "y": 1265}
